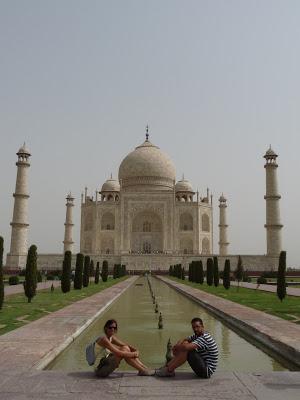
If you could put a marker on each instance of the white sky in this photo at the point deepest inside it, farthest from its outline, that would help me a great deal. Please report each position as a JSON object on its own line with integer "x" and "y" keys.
{"x": 217, "y": 81}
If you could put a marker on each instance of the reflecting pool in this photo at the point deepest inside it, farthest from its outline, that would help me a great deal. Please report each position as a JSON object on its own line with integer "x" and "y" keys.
{"x": 138, "y": 325}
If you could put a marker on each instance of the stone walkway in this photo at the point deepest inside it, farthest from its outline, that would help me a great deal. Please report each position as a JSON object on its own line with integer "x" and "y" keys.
{"x": 14, "y": 289}
{"x": 36, "y": 344}
{"x": 30, "y": 347}
{"x": 54, "y": 385}
{"x": 268, "y": 288}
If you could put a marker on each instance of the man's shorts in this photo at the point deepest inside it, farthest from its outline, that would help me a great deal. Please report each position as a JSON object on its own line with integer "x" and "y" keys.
{"x": 197, "y": 364}
{"x": 106, "y": 366}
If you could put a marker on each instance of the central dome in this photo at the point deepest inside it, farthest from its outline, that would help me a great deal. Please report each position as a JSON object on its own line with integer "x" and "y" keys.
{"x": 148, "y": 166}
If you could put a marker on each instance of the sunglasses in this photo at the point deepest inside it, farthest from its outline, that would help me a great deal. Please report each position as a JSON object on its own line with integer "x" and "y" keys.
{"x": 112, "y": 327}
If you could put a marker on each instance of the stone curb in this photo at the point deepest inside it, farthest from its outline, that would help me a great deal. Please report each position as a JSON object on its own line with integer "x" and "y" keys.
{"x": 48, "y": 358}
{"x": 33, "y": 346}
{"x": 281, "y": 350}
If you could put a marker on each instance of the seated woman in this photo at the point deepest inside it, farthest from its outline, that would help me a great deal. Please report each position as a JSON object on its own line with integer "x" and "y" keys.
{"x": 112, "y": 350}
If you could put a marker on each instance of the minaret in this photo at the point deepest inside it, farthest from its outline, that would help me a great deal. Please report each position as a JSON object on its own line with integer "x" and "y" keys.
{"x": 19, "y": 225}
{"x": 223, "y": 243}
{"x": 272, "y": 198}
{"x": 68, "y": 241}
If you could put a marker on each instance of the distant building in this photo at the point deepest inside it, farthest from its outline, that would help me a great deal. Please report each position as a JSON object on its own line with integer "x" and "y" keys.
{"x": 145, "y": 219}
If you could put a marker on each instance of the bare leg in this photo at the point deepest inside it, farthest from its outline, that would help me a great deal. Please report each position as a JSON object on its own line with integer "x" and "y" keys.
{"x": 134, "y": 362}
{"x": 177, "y": 360}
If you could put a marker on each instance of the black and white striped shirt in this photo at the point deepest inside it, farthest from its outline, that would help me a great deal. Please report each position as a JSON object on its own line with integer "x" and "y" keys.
{"x": 207, "y": 348}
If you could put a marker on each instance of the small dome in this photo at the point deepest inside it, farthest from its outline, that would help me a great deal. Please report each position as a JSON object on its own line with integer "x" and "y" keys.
{"x": 270, "y": 153}
{"x": 184, "y": 186}
{"x": 147, "y": 165}
{"x": 69, "y": 196}
{"x": 111, "y": 185}
{"x": 23, "y": 150}
{"x": 222, "y": 199}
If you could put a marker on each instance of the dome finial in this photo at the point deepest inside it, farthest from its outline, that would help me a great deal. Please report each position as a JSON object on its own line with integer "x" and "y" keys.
{"x": 147, "y": 133}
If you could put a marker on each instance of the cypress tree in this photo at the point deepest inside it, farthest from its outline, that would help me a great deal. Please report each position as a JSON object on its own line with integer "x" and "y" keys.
{"x": 78, "y": 271}
{"x": 179, "y": 271}
{"x": 170, "y": 270}
{"x": 281, "y": 286}
{"x": 86, "y": 272}
{"x": 97, "y": 273}
{"x": 183, "y": 274}
{"x": 189, "y": 273}
{"x": 210, "y": 272}
{"x": 216, "y": 272}
{"x": 1, "y": 272}
{"x": 30, "y": 273}
{"x": 226, "y": 274}
{"x": 239, "y": 272}
{"x": 92, "y": 269}
{"x": 201, "y": 273}
{"x": 104, "y": 272}
{"x": 66, "y": 273}
{"x": 196, "y": 273}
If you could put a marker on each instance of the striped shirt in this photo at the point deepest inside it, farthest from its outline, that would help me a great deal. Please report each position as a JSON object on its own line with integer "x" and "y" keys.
{"x": 207, "y": 348}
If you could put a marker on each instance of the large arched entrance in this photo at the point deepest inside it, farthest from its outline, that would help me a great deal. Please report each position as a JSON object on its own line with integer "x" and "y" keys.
{"x": 147, "y": 233}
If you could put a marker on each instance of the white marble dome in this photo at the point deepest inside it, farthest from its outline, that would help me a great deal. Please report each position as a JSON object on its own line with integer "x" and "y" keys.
{"x": 111, "y": 185}
{"x": 147, "y": 165}
{"x": 184, "y": 186}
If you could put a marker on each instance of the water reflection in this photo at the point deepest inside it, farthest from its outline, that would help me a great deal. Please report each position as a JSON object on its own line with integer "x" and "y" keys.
{"x": 138, "y": 325}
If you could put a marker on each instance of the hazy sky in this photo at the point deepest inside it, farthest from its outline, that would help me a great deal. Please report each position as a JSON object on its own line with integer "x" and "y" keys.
{"x": 217, "y": 81}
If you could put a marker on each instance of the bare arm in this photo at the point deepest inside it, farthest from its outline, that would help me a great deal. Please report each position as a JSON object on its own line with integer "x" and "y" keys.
{"x": 104, "y": 342}
{"x": 184, "y": 346}
{"x": 119, "y": 342}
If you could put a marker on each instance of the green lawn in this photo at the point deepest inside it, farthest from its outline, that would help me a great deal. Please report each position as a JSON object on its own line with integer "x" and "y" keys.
{"x": 17, "y": 311}
{"x": 288, "y": 309}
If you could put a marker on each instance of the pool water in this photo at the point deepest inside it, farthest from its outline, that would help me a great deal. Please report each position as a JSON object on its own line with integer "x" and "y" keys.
{"x": 138, "y": 325}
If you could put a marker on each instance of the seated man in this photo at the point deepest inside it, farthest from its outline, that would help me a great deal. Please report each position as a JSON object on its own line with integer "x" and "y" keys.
{"x": 199, "y": 350}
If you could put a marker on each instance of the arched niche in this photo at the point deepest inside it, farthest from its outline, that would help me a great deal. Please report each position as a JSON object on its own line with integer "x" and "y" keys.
{"x": 146, "y": 233}
{"x": 186, "y": 222}
{"x": 108, "y": 222}
{"x": 107, "y": 245}
{"x": 88, "y": 221}
{"x": 205, "y": 246}
{"x": 205, "y": 223}
{"x": 186, "y": 245}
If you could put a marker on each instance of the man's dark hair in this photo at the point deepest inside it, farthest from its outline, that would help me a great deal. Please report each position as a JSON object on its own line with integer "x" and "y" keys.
{"x": 196, "y": 319}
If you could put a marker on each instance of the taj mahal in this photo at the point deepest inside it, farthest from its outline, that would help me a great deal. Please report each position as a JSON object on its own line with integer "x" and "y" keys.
{"x": 146, "y": 219}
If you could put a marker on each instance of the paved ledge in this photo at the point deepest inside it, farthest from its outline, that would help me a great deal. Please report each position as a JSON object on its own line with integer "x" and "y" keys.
{"x": 291, "y": 291}
{"x": 15, "y": 289}
{"x": 45, "y": 385}
{"x": 279, "y": 336}
{"x": 35, "y": 345}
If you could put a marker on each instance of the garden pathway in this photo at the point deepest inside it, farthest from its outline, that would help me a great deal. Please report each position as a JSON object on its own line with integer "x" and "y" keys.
{"x": 291, "y": 291}
{"x": 15, "y": 289}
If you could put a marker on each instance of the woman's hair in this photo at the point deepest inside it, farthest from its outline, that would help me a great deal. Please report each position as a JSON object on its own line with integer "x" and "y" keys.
{"x": 109, "y": 322}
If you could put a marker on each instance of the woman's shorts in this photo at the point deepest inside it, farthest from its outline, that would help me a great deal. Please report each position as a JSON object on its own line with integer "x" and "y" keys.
{"x": 106, "y": 366}
{"x": 197, "y": 364}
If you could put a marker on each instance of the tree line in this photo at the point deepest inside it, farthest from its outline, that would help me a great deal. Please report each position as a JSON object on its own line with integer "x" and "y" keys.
{"x": 197, "y": 274}
{"x": 84, "y": 270}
